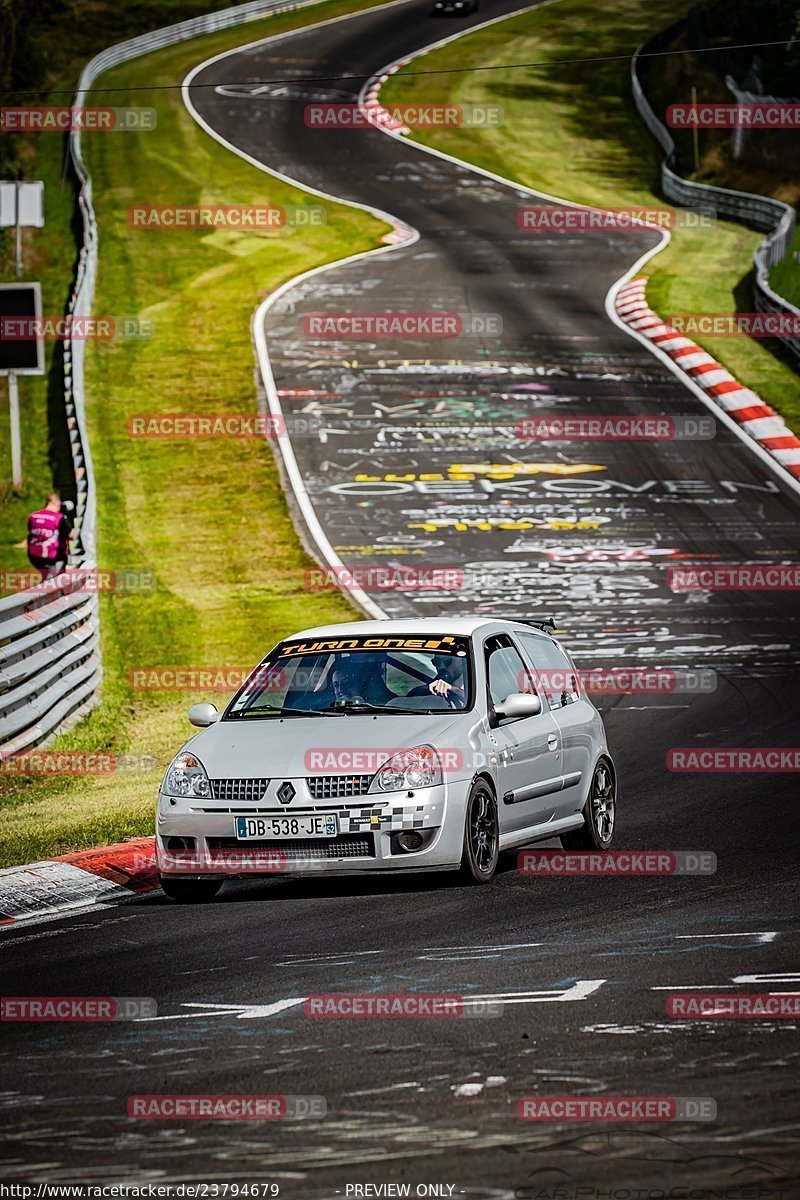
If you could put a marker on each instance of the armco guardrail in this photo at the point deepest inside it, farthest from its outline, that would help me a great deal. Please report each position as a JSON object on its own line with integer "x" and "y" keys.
{"x": 49, "y": 659}
{"x": 50, "y": 668}
{"x": 761, "y": 211}
{"x": 743, "y": 134}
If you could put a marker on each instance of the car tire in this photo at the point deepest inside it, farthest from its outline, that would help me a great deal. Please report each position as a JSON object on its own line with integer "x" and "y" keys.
{"x": 599, "y": 812}
{"x": 481, "y": 835}
{"x": 190, "y": 891}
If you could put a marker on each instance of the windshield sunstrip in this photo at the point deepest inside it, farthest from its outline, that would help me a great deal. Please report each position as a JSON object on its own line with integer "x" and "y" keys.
{"x": 359, "y": 674}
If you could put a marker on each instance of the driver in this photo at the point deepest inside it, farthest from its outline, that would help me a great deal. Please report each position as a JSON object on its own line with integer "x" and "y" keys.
{"x": 449, "y": 682}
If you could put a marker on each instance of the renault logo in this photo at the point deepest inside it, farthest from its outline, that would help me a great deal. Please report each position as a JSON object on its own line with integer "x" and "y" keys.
{"x": 286, "y": 792}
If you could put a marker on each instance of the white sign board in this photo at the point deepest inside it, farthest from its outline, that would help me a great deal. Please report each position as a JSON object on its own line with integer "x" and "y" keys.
{"x": 22, "y": 204}
{"x": 8, "y": 205}
{"x": 30, "y": 204}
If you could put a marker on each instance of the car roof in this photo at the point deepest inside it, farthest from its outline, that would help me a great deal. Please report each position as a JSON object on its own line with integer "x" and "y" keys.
{"x": 463, "y": 626}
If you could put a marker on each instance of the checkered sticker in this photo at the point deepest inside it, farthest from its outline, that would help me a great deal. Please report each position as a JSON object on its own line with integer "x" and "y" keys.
{"x": 387, "y": 820}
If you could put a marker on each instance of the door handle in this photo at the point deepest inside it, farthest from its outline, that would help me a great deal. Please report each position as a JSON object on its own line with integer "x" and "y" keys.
{"x": 552, "y": 741}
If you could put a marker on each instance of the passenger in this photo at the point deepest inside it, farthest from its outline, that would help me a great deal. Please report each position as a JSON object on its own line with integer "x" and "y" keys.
{"x": 360, "y": 679}
{"x": 348, "y": 683}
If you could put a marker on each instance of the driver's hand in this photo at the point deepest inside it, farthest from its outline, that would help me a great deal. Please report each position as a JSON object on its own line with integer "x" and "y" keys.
{"x": 440, "y": 687}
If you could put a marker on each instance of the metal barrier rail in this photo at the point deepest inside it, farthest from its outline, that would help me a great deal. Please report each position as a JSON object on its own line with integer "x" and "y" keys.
{"x": 50, "y": 665}
{"x": 763, "y": 212}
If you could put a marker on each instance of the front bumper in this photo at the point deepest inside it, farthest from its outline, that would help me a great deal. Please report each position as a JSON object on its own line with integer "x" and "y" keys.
{"x": 366, "y": 842}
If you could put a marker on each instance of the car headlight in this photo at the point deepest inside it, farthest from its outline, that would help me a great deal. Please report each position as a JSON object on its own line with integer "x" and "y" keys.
{"x": 408, "y": 769}
{"x": 186, "y": 776}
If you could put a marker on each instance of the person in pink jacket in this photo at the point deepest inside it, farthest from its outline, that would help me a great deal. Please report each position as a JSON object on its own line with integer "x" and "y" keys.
{"x": 49, "y": 535}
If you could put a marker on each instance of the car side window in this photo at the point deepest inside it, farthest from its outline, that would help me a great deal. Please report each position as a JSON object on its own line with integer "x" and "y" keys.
{"x": 506, "y": 673}
{"x": 556, "y": 673}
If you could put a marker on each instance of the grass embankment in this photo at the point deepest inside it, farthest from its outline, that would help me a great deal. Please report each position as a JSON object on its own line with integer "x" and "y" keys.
{"x": 43, "y": 47}
{"x": 208, "y": 516}
{"x": 785, "y": 277}
{"x": 572, "y": 130}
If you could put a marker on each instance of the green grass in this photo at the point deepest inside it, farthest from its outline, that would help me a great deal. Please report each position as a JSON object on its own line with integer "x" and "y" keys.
{"x": 572, "y": 131}
{"x": 209, "y": 517}
{"x": 785, "y": 277}
{"x": 766, "y": 166}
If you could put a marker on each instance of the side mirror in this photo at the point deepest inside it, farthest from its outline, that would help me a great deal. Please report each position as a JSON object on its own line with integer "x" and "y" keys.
{"x": 519, "y": 704}
{"x": 203, "y": 714}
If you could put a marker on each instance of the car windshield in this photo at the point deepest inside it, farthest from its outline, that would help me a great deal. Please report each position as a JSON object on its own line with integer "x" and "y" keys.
{"x": 392, "y": 675}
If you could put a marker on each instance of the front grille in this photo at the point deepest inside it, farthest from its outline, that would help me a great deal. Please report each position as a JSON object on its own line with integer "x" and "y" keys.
{"x": 344, "y": 846}
{"x": 332, "y": 787}
{"x": 239, "y": 789}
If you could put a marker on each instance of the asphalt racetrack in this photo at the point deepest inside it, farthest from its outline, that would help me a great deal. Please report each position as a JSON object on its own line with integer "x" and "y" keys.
{"x": 586, "y": 531}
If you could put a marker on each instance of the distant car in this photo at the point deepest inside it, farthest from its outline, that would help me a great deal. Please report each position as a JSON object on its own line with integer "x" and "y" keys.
{"x": 454, "y": 8}
{"x": 386, "y": 746}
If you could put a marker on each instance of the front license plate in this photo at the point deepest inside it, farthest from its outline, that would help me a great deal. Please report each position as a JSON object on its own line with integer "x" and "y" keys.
{"x": 255, "y": 828}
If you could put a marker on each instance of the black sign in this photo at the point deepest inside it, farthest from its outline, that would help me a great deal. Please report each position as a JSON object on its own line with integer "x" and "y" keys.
{"x": 20, "y": 347}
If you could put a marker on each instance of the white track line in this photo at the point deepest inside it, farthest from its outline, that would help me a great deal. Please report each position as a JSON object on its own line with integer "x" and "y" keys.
{"x": 410, "y": 235}
{"x": 293, "y": 473}
{"x": 295, "y": 478}
{"x": 367, "y": 99}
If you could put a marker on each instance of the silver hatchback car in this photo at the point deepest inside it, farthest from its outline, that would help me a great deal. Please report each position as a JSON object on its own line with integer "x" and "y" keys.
{"x": 389, "y": 745}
